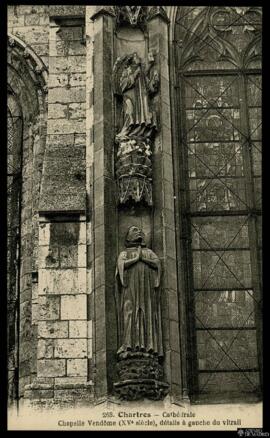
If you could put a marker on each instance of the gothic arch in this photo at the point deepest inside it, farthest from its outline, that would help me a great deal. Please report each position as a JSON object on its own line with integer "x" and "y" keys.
{"x": 27, "y": 113}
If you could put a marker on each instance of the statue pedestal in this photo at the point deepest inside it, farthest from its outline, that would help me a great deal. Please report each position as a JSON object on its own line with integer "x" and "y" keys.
{"x": 140, "y": 376}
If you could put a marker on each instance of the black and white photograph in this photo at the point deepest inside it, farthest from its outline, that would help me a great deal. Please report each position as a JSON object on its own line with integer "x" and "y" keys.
{"x": 134, "y": 218}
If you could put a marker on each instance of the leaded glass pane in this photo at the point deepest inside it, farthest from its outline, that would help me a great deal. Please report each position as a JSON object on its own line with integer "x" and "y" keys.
{"x": 258, "y": 192}
{"x": 220, "y": 269}
{"x": 254, "y": 90}
{"x": 232, "y": 383}
{"x": 211, "y": 92}
{"x": 222, "y": 144}
{"x": 215, "y": 37}
{"x": 217, "y": 194}
{"x": 219, "y": 232}
{"x": 256, "y": 151}
{"x": 227, "y": 349}
{"x": 227, "y": 308}
{"x": 255, "y": 120}
{"x": 210, "y": 159}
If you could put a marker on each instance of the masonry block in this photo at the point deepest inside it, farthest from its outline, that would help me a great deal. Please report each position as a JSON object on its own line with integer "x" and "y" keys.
{"x": 77, "y": 367}
{"x": 51, "y": 367}
{"x": 70, "y": 348}
{"x": 73, "y": 307}
{"x": 49, "y": 308}
{"x": 71, "y": 64}
{"x": 78, "y": 329}
{"x": 44, "y": 234}
{"x": 45, "y": 349}
{"x": 53, "y": 329}
{"x": 65, "y": 281}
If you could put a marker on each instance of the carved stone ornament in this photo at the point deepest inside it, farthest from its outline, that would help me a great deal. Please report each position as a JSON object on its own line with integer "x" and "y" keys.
{"x": 135, "y": 83}
{"x": 139, "y": 329}
{"x": 155, "y": 11}
{"x": 11, "y": 42}
{"x": 131, "y": 15}
{"x": 103, "y": 10}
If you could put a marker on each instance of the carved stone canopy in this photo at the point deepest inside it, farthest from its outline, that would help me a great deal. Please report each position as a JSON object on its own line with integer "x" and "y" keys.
{"x": 155, "y": 11}
{"x": 132, "y": 15}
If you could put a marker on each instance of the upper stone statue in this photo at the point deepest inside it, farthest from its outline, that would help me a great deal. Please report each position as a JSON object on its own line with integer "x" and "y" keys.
{"x": 136, "y": 81}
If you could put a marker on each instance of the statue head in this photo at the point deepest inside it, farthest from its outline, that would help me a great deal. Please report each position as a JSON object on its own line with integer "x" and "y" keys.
{"x": 136, "y": 59}
{"x": 135, "y": 237}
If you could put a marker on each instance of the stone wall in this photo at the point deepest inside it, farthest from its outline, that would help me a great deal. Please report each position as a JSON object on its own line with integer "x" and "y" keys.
{"x": 28, "y": 29}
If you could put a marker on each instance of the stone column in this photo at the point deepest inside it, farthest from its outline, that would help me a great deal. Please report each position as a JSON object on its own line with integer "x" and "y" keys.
{"x": 164, "y": 214}
{"x": 103, "y": 202}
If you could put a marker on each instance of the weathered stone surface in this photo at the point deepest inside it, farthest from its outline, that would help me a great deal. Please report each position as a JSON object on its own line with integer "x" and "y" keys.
{"x": 32, "y": 20}
{"x": 45, "y": 349}
{"x": 62, "y": 282}
{"x": 175, "y": 367}
{"x": 82, "y": 257}
{"x": 64, "y": 95}
{"x": 89, "y": 329}
{"x": 39, "y": 394}
{"x": 67, "y": 80}
{"x": 174, "y": 335}
{"x": 140, "y": 389}
{"x": 65, "y": 234}
{"x": 77, "y": 367}
{"x": 51, "y": 367}
{"x": 90, "y": 348}
{"x": 68, "y": 111}
{"x": 49, "y": 257}
{"x": 59, "y": 64}
{"x": 70, "y": 348}
{"x": 62, "y": 140}
{"x": 73, "y": 307}
{"x": 32, "y": 34}
{"x": 67, "y": 126}
{"x": 63, "y": 184}
{"x": 67, "y": 11}
{"x": 49, "y": 308}
{"x": 67, "y": 47}
{"x": 69, "y": 257}
{"x": 71, "y": 382}
{"x": 78, "y": 329}
{"x": 44, "y": 234}
{"x": 57, "y": 111}
{"x": 53, "y": 329}
{"x": 35, "y": 313}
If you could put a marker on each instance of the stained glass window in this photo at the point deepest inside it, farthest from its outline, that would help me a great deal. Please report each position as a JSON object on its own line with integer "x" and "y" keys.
{"x": 217, "y": 52}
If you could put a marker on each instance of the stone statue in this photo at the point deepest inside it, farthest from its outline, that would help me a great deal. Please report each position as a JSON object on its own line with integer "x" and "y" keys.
{"x": 138, "y": 274}
{"x": 135, "y": 83}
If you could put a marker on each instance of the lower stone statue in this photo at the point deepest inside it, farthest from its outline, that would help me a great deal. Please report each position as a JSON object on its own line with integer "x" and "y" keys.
{"x": 140, "y": 349}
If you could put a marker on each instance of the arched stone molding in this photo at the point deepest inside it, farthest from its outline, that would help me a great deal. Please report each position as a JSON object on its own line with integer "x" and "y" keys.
{"x": 36, "y": 66}
{"x": 27, "y": 102}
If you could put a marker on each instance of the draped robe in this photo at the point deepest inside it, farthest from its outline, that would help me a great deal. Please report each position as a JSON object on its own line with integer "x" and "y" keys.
{"x": 138, "y": 303}
{"x": 139, "y": 120}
